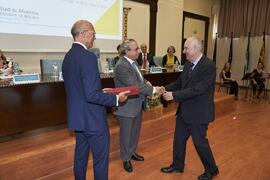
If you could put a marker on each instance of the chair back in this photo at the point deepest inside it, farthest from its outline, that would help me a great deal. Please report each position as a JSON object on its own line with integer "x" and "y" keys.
{"x": 220, "y": 76}
{"x": 46, "y": 65}
{"x": 222, "y": 83}
{"x": 96, "y": 51}
{"x": 111, "y": 63}
{"x": 158, "y": 60}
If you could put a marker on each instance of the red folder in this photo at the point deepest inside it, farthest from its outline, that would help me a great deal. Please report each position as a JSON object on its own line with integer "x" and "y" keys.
{"x": 133, "y": 90}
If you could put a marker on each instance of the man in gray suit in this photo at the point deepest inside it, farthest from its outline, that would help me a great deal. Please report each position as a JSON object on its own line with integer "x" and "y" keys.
{"x": 129, "y": 114}
{"x": 194, "y": 90}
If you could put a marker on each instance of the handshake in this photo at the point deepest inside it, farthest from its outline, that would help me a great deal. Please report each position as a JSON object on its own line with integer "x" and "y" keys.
{"x": 160, "y": 90}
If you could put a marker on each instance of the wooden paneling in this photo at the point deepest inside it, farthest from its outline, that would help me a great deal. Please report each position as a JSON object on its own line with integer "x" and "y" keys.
{"x": 31, "y": 106}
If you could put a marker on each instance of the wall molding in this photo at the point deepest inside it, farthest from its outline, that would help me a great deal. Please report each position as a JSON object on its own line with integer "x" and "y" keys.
{"x": 175, "y": 3}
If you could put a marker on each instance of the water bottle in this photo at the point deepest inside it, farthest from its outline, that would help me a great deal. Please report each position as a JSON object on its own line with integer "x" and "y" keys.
{"x": 106, "y": 68}
{"x": 16, "y": 68}
{"x": 55, "y": 70}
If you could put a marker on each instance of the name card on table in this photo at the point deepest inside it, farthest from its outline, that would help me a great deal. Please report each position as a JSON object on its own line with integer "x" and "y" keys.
{"x": 156, "y": 70}
{"x": 26, "y": 78}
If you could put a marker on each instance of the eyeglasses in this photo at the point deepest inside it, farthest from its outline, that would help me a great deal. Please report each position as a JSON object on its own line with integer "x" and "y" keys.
{"x": 137, "y": 49}
{"x": 92, "y": 32}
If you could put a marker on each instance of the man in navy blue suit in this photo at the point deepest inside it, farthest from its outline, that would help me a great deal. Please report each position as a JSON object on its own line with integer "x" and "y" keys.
{"x": 86, "y": 103}
{"x": 194, "y": 90}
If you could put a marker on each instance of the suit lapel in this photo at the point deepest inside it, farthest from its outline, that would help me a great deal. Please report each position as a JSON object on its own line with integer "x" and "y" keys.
{"x": 194, "y": 71}
{"x": 134, "y": 71}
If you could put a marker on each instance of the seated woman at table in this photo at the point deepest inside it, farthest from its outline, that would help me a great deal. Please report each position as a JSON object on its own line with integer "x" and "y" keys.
{"x": 257, "y": 80}
{"x": 5, "y": 65}
{"x": 226, "y": 76}
{"x": 170, "y": 59}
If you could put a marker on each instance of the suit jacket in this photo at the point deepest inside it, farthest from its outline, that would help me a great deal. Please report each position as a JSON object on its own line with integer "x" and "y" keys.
{"x": 85, "y": 99}
{"x": 126, "y": 75}
{"x": 195, "y": 92}
{"x": 149, "y": 58}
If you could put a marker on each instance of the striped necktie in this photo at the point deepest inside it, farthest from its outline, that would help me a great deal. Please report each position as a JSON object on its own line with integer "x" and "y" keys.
{"x": 134, "y": 65}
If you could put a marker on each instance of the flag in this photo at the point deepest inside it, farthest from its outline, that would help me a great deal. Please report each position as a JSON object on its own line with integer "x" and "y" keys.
{"x": 246, "y": 67}
{"x": 215, "y": 50}
{"x": 261, "y": 58}
{"x": 231, "y": 50}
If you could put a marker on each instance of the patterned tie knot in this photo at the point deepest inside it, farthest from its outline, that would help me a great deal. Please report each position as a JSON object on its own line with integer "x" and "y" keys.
{"x": 191, "y": 67}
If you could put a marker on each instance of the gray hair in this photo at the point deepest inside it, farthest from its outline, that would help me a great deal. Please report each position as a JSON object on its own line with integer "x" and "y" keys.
{"x": 125, "y": 45}
{"x": 79, "y": 26}
{"x": 195, "y": 43}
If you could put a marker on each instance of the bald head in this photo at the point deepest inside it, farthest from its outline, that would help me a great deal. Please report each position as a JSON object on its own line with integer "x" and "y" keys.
{"x": 84, "y": 32}
{"x": 144, "y": 48}
{"x": 80, "y": 26}
{"x": 195, "y": 43}
{"x": 192, "y": 48}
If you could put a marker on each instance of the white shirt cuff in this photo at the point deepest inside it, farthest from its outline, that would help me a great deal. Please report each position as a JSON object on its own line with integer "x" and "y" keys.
{"x": 117, "y": 104}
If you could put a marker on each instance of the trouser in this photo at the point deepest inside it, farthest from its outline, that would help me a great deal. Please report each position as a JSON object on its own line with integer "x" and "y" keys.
{"x": 99, "y": 144}
{"x": 129, "y": 135}
{"x": 234, "y": 88}
{"x": 198, "y": 134}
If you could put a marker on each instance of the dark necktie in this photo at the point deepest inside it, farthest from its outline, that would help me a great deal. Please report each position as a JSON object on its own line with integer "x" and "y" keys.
{"x": 190, "y": 69}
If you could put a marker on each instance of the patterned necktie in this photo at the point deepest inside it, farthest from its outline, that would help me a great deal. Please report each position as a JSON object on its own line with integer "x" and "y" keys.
{"x": 191, "y": 68}
{"x": 144, "y": 61}
{"x": 137, "y": 70}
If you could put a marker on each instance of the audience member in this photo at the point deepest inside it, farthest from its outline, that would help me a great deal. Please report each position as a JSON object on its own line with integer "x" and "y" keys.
{"x": 170, "y": 59}
{"x": 257, "y": 80}
{"x": 145, "y": 59}
{"x": 226, "y": 76}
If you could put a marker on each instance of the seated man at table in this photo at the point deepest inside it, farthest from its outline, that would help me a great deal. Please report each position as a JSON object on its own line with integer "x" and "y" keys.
{"x": 145, "y": 59}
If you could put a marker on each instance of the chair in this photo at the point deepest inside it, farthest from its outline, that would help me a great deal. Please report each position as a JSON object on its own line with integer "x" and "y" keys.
{"x": 111, "y": 63}
{"x": 46, "y": 65}
{"x": 96, "y": 51}
{"x": 222, "y": 84}
{"x": 158, "y": 60}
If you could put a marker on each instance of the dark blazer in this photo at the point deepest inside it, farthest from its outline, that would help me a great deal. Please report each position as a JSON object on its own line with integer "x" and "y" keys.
{"x": 149, "y": 58}
{"x": 85, "y": 99}
{"x": 165, "y": 58}
{"x": 195, "y": 92}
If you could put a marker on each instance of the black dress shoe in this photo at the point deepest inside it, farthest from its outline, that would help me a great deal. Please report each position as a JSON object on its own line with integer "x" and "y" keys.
{"x": 208, "y": 175}
{"x": 171, "y": 169}
{"x": 127, "y": 166}
{"x": 137, "y": 157}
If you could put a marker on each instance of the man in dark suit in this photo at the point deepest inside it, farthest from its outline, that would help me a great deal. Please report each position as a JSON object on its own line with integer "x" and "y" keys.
{"x": 129, "y": 113}
{"x": 194, "y": 90}
{"x": 86, "y": 103}
{"x": 145, "y": 60}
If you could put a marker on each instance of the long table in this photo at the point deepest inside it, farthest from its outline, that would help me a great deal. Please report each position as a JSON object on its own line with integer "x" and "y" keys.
{"x": 31, "y": 106}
